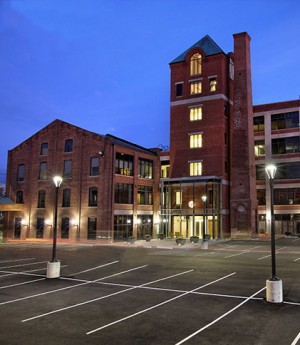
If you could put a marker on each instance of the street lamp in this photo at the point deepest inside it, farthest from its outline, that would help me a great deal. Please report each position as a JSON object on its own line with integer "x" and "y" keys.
{"x": 274, "y": 284}
{"x": 53, "y": 266}
{"x": 204, "y": 198}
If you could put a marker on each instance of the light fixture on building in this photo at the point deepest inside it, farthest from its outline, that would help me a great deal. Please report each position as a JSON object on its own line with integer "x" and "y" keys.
{"x": 274, "y": 284}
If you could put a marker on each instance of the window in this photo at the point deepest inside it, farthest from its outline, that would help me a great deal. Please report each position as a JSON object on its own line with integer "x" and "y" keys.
{"x": 289, "y": 196}
{"x": 144, "y": 196}
{"x": 196, "y": 87}
{"x": 179, "y": 89}
{"x": 94, "y": 166}
{"x": 285, "y": 145}
{"x": 43, "y": 171}
{"x": 259, "y": 148}
{"x": 40, "y": 224}
{"x": 165, "y": 170}
{"x": 92, "y": 228}
{"x": 195, "y": 168}
{"x": 21, "y": 172}
{"x": 195, "y": 140}
{"x": 67, "y": 169}
{"x": 41, "y": 199}
{"x": 123, "y": 193}
{"x": 65, "y": 227}
{"x": 261, "y": 196}
{"x": 195, "y": 64}
{"x": 124, "y": 164}
{"x": 212, "y": 84}
{"x": 145, "y": 168}
{"x": 259, "y": 124}
{"x": 66, "y": 200}
{"x": 178, "y": 198}
{"x": 123, "y": 226}
{"x": 44, "y": 149}
{"x": 69, "y": 145}
{"x": 93, "y": 196}
{"x": 195, "y": 113}
{"x": 19, "y": 197}
{"x": 285, "y": 120}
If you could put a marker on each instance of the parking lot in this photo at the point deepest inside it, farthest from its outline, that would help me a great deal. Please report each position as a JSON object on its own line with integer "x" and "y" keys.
{"x": 149, "y": 294}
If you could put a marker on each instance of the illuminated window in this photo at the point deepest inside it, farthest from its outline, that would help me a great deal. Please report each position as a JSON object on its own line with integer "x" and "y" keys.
{"x": 196, "y": 87}
{"x": 259, "y": 147}
{"x": 165, "y": 170}
{"x": 195, "y": 64}
{"x": 195, "y": 168}
{"x": 178, "y": 196}
{"x": 213, "y": 84}
{"x": 195, "y": 113}
{"x": 195, "y": 140}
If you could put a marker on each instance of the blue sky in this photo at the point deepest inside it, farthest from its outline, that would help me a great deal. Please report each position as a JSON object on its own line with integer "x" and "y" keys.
{"x": 103, "y": 64}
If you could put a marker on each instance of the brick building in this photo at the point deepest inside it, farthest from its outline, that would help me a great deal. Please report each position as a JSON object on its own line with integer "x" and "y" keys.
{"x": 110, "y": 187}
{"x": 211, "y": 182}
{"x": 277, "y": 140}
{"x": 210, "y": 189}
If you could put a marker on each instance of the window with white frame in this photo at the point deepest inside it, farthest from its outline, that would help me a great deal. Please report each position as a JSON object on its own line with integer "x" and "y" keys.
{"x": 196, "y": 113}
{"x": 195, "y": 64}
{"x": 196, "y": 87}
{"x": 195, "y": 168}
{"x": 195, "y": 140}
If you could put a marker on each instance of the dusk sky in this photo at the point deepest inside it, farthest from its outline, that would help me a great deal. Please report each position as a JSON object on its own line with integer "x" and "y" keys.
{"x": 103, "y": 65}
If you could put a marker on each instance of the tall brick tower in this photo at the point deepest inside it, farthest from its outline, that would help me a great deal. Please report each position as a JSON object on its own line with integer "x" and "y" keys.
{"x": 243, "y": 201}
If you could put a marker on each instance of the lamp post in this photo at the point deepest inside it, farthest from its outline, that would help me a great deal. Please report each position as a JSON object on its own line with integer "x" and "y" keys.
{"x": 274, "y": 284}
{"x": 204, "y": 198}
{"x": 204, "y": 242}
{"x": 53, "y": 266}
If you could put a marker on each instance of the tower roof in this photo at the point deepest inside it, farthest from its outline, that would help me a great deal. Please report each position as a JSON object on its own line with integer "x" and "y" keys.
{"x": 208, "y": 45}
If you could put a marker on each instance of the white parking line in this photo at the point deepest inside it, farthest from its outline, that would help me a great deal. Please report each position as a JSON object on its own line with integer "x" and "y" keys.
{"x": 103, "y": 297}
{"x": 32, "y": 263}
{"x": 267, "y": 256}
{"x": 15, "y": 260}
{"x": 296, "y": 259}
{"x": 220, "y": 317}
{"x": 94, "y": 268}
{"x": 243, "y": 252}
{"x": 69, "y": 287}
{"x": 27, "y": 272}
{"x": 157, "y": 305}
{"x": 296, "y": 339}
{"x": 17, "y": 284}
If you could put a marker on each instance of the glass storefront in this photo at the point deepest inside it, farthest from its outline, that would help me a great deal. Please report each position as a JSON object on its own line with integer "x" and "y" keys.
{"x": 191, "y": 208}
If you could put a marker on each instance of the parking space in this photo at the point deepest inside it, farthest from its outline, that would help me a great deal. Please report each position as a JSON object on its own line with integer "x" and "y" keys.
{"x": 134, "y": 295}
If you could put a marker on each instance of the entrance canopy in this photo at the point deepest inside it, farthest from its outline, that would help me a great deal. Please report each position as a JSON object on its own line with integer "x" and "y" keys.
{"x": 7, "y": 204}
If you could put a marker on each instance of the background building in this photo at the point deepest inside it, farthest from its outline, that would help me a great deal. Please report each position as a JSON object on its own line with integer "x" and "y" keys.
{"x": 110, "y": 187}
{"x": 277, "y": 140}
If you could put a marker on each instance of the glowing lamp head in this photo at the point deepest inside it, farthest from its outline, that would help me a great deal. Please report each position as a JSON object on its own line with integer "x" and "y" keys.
{"x": 271, "y": 171}
{"x": 57, "y": 181}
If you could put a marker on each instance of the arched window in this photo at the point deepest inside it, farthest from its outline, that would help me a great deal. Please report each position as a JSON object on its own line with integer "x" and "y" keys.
{"x": 195, "y": 64}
